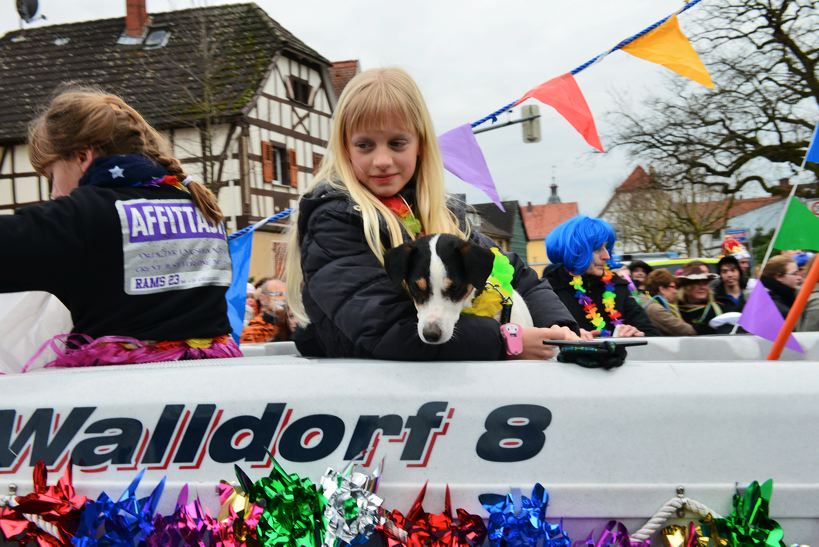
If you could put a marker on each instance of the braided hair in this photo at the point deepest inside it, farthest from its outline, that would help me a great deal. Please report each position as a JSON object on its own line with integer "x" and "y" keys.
{"x": 86, "y": 117}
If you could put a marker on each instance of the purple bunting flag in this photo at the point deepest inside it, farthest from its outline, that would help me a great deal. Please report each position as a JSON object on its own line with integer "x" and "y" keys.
{"x": 463, "y": 158}
{"x": 761, "y": 317}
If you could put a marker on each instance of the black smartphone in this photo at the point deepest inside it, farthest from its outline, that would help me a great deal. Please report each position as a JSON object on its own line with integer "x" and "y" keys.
{"x": 594, "y": 343}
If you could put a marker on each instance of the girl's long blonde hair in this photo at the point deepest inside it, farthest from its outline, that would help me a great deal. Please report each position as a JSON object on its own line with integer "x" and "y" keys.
{"x": 375, "y": 99}
{"x": 85, "y": 117}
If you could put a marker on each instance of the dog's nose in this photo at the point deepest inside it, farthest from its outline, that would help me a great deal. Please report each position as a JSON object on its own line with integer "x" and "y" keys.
{"x": 432, "y": 333}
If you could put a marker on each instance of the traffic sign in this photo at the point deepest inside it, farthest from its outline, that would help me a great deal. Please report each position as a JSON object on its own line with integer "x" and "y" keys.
{"x": 740, "y": 234}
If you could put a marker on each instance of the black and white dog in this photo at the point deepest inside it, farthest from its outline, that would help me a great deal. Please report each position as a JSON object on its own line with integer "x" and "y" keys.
{"x": 443, "y": 274}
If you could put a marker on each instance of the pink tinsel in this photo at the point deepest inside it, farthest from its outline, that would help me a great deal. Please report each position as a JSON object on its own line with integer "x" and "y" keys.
{"x": 80, "y": 350}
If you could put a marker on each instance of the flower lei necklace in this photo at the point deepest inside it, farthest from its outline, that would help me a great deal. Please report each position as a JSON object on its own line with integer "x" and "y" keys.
{"x": 398, "y": 205}
{"x": 590, "y": 308}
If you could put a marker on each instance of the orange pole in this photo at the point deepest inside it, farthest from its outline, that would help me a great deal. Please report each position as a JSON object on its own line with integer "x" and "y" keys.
{"x": 796, "y": 311}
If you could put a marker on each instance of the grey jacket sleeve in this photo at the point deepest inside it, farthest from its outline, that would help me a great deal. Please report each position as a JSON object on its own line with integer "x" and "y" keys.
{"x": 810, "y": 316}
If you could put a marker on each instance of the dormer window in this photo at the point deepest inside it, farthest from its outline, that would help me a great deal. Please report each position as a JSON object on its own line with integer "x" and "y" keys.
{"x": 300, "y": 90}
{"x": 156, "y": 38}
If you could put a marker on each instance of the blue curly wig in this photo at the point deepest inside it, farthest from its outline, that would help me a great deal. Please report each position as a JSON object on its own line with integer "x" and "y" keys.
{"x": 573, "y": 242}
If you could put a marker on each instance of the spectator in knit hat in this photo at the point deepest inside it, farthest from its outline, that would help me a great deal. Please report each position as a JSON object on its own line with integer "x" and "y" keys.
{"x": 639, "y": 271}
{"x": 732, "y": 247}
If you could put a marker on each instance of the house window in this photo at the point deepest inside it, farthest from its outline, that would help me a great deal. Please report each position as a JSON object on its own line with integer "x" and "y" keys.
{"x": 294, "y": 168}
{"x": 301, "y": 90}
{"x": 316, "y": 162}
{"x": 275, "y": 166}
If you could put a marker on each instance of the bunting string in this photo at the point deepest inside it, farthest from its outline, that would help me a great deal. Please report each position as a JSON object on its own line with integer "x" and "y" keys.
{"x": 494, "y": 115}
{"x": 273, "y": 218}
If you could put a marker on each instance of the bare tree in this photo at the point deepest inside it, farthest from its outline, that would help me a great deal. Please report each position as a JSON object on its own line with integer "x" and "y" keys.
{"x": 755, "y": 126}
{"x": 699, "y": 211}
{"x": 657, "y": 218}
{"x": 643, "y": 219}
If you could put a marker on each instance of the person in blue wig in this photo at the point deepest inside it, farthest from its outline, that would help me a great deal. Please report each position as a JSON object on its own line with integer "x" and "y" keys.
{"x": 599, "y": 300}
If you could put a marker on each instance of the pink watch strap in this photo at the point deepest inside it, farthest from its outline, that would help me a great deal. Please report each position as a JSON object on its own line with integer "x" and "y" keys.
{"x": 513, "y": 336}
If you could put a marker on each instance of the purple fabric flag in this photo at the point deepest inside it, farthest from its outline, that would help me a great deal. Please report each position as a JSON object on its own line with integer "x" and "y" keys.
{"x": 761, "y": 317}
{"x": 463, "y": 158}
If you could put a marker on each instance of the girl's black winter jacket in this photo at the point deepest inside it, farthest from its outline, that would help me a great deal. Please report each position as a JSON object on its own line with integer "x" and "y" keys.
{"x": 357, "y": 311}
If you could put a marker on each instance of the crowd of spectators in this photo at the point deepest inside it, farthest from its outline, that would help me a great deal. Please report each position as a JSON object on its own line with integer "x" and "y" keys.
{"x": 693, "y": 300}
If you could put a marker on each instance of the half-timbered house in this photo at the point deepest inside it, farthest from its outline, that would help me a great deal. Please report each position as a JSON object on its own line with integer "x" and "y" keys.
{"x": 245, "y": 104}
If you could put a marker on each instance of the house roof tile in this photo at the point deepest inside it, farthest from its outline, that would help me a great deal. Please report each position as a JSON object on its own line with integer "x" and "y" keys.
{"x": 164, "y": 84}
{"x": 540, "y": 220}
{"x": 637, "y": 179}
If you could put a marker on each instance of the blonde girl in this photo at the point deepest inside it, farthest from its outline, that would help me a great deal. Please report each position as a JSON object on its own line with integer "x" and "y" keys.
{"x": 380, "y": 185}
{"x": 132, "y": 246}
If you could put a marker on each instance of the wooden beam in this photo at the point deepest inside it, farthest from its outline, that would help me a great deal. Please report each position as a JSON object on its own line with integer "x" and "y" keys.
{"x": 284, "y": 131}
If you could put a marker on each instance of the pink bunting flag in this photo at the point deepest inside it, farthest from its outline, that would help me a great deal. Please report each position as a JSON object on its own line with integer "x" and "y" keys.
{"x": 463, "y": 158}
{"x": 760, "y": 316}
{"x": 564, "y": 95}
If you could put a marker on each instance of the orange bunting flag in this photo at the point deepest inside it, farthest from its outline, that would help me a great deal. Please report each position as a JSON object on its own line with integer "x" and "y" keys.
{"x": 564, "y": 95}
{"x": 668, "y": 46}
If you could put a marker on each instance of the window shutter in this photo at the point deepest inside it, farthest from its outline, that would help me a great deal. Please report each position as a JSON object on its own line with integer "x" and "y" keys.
{"x": 294, "y": 169}
{"x": 316, "y": 162}
{"x": 267, "y": 161}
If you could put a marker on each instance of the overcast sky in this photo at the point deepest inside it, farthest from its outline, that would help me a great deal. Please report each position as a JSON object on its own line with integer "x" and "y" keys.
{"x": 471, "y": 57}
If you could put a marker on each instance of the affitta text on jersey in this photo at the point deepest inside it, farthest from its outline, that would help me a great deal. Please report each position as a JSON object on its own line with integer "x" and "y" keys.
{"x": 169, "y": 245}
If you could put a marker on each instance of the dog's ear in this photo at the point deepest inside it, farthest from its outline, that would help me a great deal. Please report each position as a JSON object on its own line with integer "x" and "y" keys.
{"x": 396, "y": 262}
{"x": 477, "y": 262}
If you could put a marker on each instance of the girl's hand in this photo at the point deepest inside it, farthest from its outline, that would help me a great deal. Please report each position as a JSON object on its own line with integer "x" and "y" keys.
{"x": 533, "y": 338}
{"x": 627, "y": 331}
{"x": 589, "y": 334}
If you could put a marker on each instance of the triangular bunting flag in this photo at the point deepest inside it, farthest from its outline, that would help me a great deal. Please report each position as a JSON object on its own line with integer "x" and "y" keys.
{"x": 800, "y": 229}
{"x": 760, "y": 316}
{"x": 564, "y": 95}
{"x": 237, "y": 292}
{"x": 240, "y": 244}
{"x": 813, "y": 149}
{"x": 668, "y": 46}
{"x": 463, "y": 158}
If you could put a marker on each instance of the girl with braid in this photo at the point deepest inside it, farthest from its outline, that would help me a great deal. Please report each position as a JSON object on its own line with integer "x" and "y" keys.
{"x": 134, "y": 248}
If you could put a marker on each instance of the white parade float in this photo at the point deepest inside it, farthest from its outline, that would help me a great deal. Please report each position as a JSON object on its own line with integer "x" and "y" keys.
{"x": 707, "y": 414}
